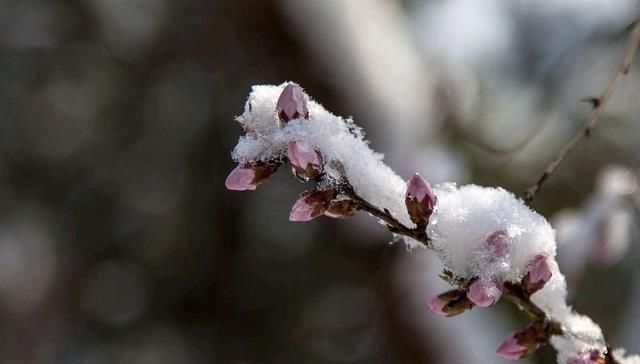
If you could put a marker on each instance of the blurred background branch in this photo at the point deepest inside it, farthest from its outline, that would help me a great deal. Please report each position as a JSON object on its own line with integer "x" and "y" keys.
{"x": 599, "y": 103}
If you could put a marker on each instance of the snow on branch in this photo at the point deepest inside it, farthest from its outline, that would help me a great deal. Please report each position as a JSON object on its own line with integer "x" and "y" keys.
{"x": 490, "y": 243}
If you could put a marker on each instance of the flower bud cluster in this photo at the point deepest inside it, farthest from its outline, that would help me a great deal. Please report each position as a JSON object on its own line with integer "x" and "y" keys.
{"x": 306, "y": 160}
{"x": 485, "y": 293}
{"x": 307, "y": 163}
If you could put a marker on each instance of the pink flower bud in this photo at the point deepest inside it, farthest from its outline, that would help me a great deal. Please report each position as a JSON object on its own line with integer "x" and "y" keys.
{"x": 310, "y": 205}
{"x": 510, "y": 349}
{"x": 590, "y": 357}
{"x": 420, "y": 200}
{"x": 305, "y": 159}
{"x": 497, "y": 245}
{"x": 540, "y": 270}
{"x": 292, "y": 104}
{"x": 248, "y": 177}
{"x": 450, "y": 303}
{"x": 240, "y": 179}
{"x": 538, "y": 275}
{"x": 437, "y": 305}
{"x": 484, "y": 293}
{"x": 525, "y": 342}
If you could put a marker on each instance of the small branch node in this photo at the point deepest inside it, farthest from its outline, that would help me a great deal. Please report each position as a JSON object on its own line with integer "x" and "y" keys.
{"x": 593, "y": 100}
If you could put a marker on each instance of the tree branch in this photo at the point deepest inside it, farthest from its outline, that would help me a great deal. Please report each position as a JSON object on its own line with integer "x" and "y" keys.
{"x": 393, "y": 224}
{"x": 512, "y": 292}
{"x": 598, "y": 103}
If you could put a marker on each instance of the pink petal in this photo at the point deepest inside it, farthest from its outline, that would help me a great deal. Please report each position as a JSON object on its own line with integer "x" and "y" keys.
{"x": 292, "y": 103}
{"x": 418, "y": 188}
{"x": 436, "y": 305}
{"x": 311, "y": 204}
{"x": 510, "y": 349}
{"x": 302, "y": 211}
{"x": 540, "y": 271}
{"x": 420, "y": 200}
{"x": 497, "y": 245}
{"x": 484, "y": 294}
{"x": 302, "y": 153}
{"x": 241, "y": 179}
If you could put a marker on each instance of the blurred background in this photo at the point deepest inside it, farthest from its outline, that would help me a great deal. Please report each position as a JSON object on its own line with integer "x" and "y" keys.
{"x": 119, "y": 243}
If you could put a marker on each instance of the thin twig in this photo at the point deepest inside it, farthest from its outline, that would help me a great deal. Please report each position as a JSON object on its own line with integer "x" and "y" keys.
{"x": 393, "y": 224}
{"x": 598, "y": 104}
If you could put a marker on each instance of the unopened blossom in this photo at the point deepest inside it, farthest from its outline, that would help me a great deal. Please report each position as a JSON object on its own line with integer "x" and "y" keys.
{"x": 525, "y": 342}
{"x": 292, "y": 104}
{"x": 249, "y": 176}
{"x": 437, "y": 305}
{"x": 310, "y": 205}
{"x": 420, "y": 200}
{"x": 450, "y": 303}
{"x": 538, "y": 275}
{"x": 305, "y": 159}
{"x": 511, "y": 349}
{"x": 484, "y": 293}
{"x": 497, "y": 245}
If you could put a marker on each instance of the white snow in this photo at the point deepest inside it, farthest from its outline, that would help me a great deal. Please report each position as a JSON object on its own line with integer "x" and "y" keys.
{"x": 338, "y": 139}
{"x": 584, "y": 335}
{"x": 467, "y": 215}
